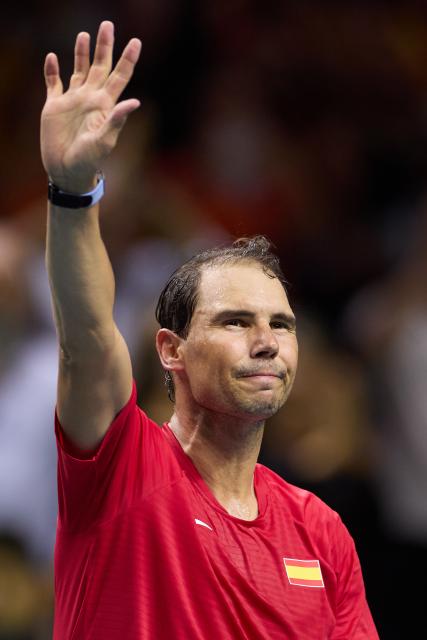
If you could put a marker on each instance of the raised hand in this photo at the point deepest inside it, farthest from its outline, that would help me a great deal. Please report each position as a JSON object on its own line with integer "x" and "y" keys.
{"x": 79, "y": 127}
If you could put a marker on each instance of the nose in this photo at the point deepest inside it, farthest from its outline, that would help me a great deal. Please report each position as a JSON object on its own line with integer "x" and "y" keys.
{"x": 264, "y": 343}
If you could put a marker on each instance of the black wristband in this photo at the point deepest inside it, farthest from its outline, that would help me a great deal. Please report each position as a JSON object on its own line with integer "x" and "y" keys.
{"x": 75, "y": 200}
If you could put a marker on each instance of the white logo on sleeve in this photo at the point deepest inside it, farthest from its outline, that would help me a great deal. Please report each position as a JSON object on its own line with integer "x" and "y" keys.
{"x": 202, "y": 524}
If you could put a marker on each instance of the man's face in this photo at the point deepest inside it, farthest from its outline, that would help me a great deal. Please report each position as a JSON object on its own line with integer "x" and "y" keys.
{"x": 241, "y": 352}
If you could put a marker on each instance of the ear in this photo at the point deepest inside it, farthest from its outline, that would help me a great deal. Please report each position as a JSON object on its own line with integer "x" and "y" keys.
{"x": 168, "y": 347}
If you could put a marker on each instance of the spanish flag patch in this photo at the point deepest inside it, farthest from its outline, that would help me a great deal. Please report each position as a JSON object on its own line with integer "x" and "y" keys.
{"x": 304, "y": 573}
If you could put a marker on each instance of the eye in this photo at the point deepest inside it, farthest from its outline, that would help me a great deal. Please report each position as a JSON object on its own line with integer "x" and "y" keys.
{"x": 236, "y": 322}
{"x": 282, "y": 324}
{"x": 278, "y": 324}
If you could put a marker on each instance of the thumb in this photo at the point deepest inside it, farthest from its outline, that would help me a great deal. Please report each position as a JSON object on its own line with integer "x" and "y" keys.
{"x": 115, "y": 122}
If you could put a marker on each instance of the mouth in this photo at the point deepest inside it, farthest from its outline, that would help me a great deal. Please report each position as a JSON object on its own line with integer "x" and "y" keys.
{"x": 263, "y": 379}
{"x": 262, "y": 374}
{"x": 266, "y": 376}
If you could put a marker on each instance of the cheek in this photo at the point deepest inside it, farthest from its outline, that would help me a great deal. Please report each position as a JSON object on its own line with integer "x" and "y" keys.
{"x": 209, "y": 359}
{"x": 206, "y": 375}
{"x": 289, "y": 353}
{"x": 199, "y": 360}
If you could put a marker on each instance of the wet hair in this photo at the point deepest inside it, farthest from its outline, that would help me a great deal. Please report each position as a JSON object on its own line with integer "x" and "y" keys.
{"x": 178, "y": 299}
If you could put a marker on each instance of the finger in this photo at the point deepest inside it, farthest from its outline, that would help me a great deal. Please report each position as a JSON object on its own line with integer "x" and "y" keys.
{"x": 81, "y": 60}
{"x": 122, "y": 110}
{"x": 116, "y": 121}
{"x": 123, "y": 70}
{"x": 51, "y": 75}
{"x": 103, "y": 56}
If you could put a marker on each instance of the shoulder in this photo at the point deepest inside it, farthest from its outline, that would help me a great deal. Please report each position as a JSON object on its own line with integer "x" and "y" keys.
{"x": 130, "y": 427}
{"x": 303, "y": 507}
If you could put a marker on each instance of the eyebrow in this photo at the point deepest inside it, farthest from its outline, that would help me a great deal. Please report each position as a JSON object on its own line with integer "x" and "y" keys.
{"x": 226, "y": 314}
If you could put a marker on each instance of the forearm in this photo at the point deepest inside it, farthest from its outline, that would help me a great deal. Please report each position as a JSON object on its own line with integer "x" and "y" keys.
{"x": 79, "y": 128}
{"x": 82, "y": 282}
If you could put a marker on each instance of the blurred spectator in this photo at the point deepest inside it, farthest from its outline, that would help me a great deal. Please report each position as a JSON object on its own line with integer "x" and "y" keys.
{"x": 388, "y": 323}
{"x": 28, "y": 364}
{"x": 25, "y": 594}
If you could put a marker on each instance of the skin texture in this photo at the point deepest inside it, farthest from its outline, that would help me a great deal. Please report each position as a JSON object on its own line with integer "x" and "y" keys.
{"x": 79, "y": 128}
{"x": 234, "y": 370}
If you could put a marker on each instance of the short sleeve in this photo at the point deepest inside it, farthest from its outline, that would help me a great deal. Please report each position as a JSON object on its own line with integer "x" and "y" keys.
{"x": 97, "y": 486}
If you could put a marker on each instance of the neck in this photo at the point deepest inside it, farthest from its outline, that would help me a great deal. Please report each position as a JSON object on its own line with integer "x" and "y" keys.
{"x": 225, "y": 451}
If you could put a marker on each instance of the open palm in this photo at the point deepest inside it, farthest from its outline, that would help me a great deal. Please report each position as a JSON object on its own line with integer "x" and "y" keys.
{"x": 79, "y": 127}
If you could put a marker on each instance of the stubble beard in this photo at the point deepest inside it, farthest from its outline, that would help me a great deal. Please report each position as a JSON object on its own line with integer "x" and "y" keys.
{"x": 262, "y": 408}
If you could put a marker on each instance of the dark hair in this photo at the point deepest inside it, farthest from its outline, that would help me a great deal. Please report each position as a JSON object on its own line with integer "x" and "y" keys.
{"x": 178, "y": 299}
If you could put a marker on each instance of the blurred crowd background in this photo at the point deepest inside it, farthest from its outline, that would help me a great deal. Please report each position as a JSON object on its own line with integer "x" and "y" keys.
{"x": 307, "y": 122}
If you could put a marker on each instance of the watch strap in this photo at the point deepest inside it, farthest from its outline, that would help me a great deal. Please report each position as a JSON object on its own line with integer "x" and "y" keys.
{"x": 76, "y": 200}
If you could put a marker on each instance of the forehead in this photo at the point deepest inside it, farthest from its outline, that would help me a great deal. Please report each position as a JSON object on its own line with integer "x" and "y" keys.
{"x": 241, "y": 286}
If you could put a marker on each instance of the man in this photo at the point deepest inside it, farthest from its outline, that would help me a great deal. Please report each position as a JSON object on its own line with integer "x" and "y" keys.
{"x": 175, "y": 532}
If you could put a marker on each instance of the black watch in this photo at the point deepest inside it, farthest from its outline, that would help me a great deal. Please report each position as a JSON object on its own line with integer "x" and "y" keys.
{"x": 75, "y": 200}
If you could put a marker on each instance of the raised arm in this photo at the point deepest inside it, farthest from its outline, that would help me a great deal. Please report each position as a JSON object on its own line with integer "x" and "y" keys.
{"x": 79, "y": 128}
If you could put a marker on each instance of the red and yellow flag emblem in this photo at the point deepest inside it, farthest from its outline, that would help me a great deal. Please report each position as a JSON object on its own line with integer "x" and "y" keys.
{"x": 304, "y": 573}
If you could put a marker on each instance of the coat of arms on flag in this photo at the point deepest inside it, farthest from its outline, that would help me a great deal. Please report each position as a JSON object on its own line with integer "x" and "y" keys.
{"x": 304, "y": 573}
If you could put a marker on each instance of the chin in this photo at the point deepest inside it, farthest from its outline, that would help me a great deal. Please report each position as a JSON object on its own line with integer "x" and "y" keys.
{"x": 264, "y": 404}
{"x": 263, "y": 409}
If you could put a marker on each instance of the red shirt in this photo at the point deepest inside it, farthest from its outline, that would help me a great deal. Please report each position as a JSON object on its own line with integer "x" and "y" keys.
{"x": 145, "y": 552}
